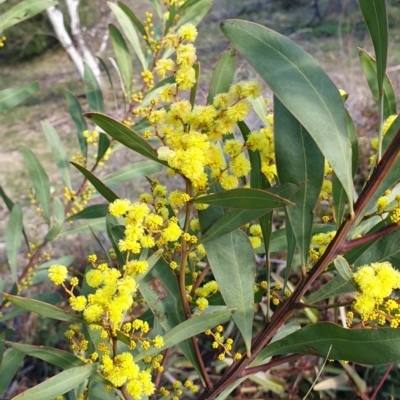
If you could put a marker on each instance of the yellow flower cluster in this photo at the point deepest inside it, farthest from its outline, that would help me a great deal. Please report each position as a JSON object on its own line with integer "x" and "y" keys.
{"x": 2, "y": 40}
{"x": 123, "y": 370}
{"x": 148, "y": 25}
{"x": 77, "y": 203}
{"x": 320, "y": 242}
{"x": 221, "y": 342}
{"x": 203, "y": 292}
{"x": 376, "y": 283}
{"x": 91, "y": 138}
{"x": 255, "y": 235}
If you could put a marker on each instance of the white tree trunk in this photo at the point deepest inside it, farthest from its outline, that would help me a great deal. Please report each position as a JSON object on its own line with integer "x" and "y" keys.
{"x": 57, "y": 21}
{"x": 76, "y": 31}
{"x": 76, "y": 49}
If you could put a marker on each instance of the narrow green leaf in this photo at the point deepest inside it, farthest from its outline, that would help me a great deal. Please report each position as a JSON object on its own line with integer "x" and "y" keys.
{"x": 106, "y": 192}
{"x": 41, "y": 308}
{"x": 257, "y": 178}
{"x": 58, "y": 220}
{"x": 13, "y": 238}
{"x": 75, "y": 111}
{"x": 22, "y": 11}
{"x": 130, "y": 32}
{"x": 103, "y": 67}
{"x": 383, "y": 344}
{"x": 157, "y": 8}
{"x": 368, "y": 65}
{"x": 302, "y": 87}
{"x": 151, "y": 261}
{"x": 9, "y": 367}
{"x": 343, "y": 268}
{"x": 115, "y": 233}
{"x": 123, "y": 58}
{"x": 193, "y": 90}
{"x": 59, "y": 153}
{"x": 59, "y": 358}
{"x": 39, "y": 179}
{"x": 374, "y": 13}
{"x": 229, "y": 222}
{"x": 338, "y": 193}
{"x": 291, "y": 245}
{"x": 132, "y": 172}
{"x": 60, "y": 383}
{"x": 11, "y": 97}
{"x": 195, "y": 13}
{"x": 298, "y": 159}
{"x": 223, "y": 74}
{"x": 124, "y": 135}
{"x": 104, "y": 144}
{"x": 385, "y": 248}
{"x": 253, "y": 199}
{"x": 51, "y": 298}
{"x": 121, "y": 80}
{"x": 260, "y": 108}
{"x": 90, "y": 212}
{"x": 92, "y": 90}
{"x": 2, "y": 338}
{"x": 160, "y": 289}
{"x": 100, "y": 391}
{"x": 133, "y": 18}
{"x": 188, "y": 329}
{"x": 232, "y": 262}
{"x": 334, "y": 287}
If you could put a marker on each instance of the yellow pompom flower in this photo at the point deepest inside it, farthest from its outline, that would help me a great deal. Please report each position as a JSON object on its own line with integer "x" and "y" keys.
{"x": 256, "y": 141}
{"x": 78, "y": 303}
{"x": 202, "y": 303}
{"x": 233, "y": 147}
{"x": 239, "y": 111}
{"x": 185, "y": 78}
{"x": 93, "y": 313}
{"x": 240, "y": 166}
{"x": 57, "y": 274}
{"x": 255, "y": 230}
{"x": 188, "y": 32}
{"x": 228, "y": 182}
{"x": 119, "y": 207}
{"x": 158, "y": 342}
{"x": 172, "y": 232}
{"x": 255, "y": 241}
{"x": 94, "y": 278}
{"x": 163, "y": 66}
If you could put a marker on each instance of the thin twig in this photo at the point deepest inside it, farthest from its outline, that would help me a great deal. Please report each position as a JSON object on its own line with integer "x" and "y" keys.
{"x": 164, "y": 362}
{"x": 271, "y": 364}
{"x": 200, "y": 279}
{"x": 324, "y": 306}
{"x": 385, "y": 375}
